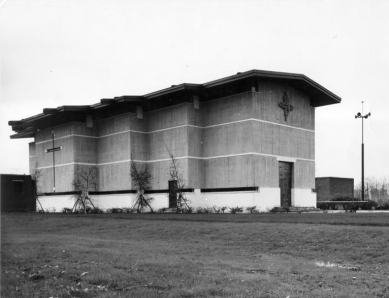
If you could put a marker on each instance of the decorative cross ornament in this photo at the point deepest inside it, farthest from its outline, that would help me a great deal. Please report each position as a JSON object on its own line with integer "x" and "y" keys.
{"x": 286, "y": 106}
{"x": 53, "y": 149}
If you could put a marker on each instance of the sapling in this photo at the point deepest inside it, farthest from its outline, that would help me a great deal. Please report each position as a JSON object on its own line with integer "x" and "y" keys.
{"x": 36, "y": 175}
{"x": 84, "y": 181}
{"x": 141, "y": 182}
{"x": 176, "y": 175}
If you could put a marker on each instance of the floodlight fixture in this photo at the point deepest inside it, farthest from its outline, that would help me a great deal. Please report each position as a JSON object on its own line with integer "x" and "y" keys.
{"x": 359, "y": 115}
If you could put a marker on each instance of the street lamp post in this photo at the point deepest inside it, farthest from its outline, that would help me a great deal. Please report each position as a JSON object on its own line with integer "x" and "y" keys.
{"x": 359, "y": 115}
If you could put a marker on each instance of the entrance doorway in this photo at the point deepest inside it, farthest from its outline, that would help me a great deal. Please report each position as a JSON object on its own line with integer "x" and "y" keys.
{"x": 285, "y": 172}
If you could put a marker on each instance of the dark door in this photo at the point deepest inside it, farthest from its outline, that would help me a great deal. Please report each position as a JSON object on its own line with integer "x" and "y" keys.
{"x": 285, "y": 172}
{"x": 173, "y": 194}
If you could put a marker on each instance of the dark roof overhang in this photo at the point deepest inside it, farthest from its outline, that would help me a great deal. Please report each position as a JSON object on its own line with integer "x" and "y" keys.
{"x": 320, "y": 96}
{"x": 107, "y": 107}
{"x": 173, "y": 89}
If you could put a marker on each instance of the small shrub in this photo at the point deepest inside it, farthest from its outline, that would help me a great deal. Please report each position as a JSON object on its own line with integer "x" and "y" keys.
{"x": 383, "y": 206}
{"x": 323, "y": 206}
{"x": 188, "y": 210}
{"x": 200, "y": 210}
{"x": 252, "y": 209}
{"x": 96, "y": 210}
{"x": 235, "y": 210}
{"x": 223, "y": 208}
{"x": 369, "y": 205}
{"x": 352, "y": 206}
{"x": 239, "y": 209}
{"x": 208, "y": 210}
{"x": 48, "y": 210}
{"x": 66, "y": 210}
{"x": 348, "y": 207}
{"x": 129, "y": 210}
{"x": 115, "y": 210}
{"x": 216, "y": 209}
{"x": 278, "y": 209}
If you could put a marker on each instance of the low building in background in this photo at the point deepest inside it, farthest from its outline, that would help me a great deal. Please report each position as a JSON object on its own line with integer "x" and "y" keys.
{"x": 17, "y": 193}
{"x": 330, "y": 188}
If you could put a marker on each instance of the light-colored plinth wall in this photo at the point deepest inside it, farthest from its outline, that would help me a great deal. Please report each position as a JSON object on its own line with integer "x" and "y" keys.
{"x": 56, "y": 203}
{"x": 265, "y": 199}
{"x": 303, "y": 198}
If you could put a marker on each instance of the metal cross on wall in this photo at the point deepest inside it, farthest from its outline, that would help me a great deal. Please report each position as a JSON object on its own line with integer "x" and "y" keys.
{"x": 286, "y": 106}
{"x": 53, "y": 149}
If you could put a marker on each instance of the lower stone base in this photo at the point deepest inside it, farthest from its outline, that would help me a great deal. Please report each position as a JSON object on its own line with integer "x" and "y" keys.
{"x": 303, "y": 198}
{"x": 265, "y": 200}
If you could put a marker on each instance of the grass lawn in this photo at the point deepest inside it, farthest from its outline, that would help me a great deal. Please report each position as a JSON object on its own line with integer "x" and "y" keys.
{"x": 194, "y": 255}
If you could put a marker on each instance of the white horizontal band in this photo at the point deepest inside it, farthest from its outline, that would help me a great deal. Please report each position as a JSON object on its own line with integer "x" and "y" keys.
{"x": 179, "y": 126}
{"x": 68, "y": 164}
{"x": 278, "y": 157}
{"x": 64, "y": 137}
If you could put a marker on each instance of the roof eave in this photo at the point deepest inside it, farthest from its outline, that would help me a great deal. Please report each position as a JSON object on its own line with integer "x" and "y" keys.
{"x": 23, "y": 135}
{"x": 172, "y": 89}
{"x": 273, "y": 74}
{"x": 320, "y": 96}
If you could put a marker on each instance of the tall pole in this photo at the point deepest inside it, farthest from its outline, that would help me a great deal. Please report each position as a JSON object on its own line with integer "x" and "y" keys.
{"x": 52, "y": 133}
{"x": 363, "y": 162}
{"x": 359, "y": 115}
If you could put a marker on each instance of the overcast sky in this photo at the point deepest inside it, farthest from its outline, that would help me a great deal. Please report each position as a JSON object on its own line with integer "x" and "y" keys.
{"x": 56, "y": 53}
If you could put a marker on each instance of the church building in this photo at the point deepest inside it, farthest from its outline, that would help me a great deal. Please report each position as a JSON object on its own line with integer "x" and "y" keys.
{"x": 243, "y": 140}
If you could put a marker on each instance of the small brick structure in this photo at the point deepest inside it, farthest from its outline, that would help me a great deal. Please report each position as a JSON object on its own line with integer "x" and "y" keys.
{"x": 17, "y": 193}
{"x": 329, "y": 188}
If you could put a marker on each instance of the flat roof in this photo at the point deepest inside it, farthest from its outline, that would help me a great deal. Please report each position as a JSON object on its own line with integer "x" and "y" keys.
{"x": 334, "y": 178}
{"x": 26, "y": 128}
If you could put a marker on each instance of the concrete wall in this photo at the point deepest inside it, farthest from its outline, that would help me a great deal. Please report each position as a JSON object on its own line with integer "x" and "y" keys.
{"x": 114, "y": 176}
{"x": 78, "y": 146}
{"x": 32, "y": 157}
{"x": 268, "y": 97}
{"x": 304, "y": 174}
{"x": 63, "y": 179}
{"x": 167, "y": 117}
{"x": 227, "y": 109}
{"x": 235, "y": 141}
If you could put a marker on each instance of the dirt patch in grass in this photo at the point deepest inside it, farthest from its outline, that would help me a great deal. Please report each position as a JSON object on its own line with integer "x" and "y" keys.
{"x": 107, "y": 256}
